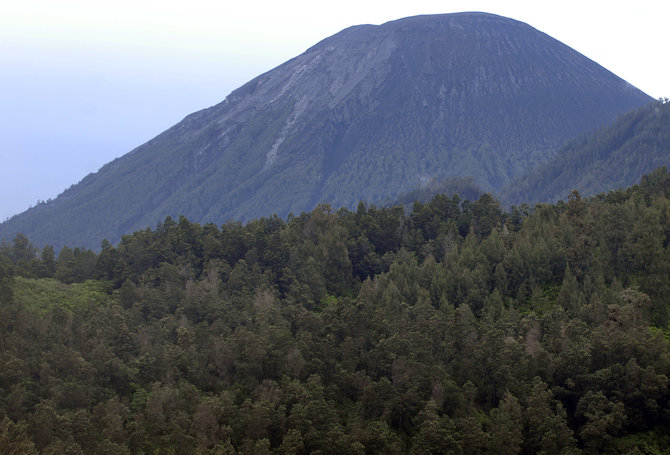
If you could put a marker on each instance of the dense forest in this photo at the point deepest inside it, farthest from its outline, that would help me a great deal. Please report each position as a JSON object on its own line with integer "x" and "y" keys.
{"x": 451, "y": 327}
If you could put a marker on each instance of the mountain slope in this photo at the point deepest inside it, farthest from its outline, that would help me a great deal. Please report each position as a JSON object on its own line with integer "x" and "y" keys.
{"x": 612, "y": 157}
{"x": 369, "y": 113}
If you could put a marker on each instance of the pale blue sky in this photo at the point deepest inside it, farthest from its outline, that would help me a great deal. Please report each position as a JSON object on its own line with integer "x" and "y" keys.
{"x": 84, "y": 82}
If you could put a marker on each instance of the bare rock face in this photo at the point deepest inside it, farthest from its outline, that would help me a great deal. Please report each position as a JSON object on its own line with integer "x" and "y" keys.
{"x": 366, "y": 114}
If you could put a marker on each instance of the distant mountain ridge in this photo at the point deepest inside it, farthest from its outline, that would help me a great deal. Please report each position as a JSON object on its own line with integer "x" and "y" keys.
{"x": 369, "y": 113}
{"x": 612, "y": 157}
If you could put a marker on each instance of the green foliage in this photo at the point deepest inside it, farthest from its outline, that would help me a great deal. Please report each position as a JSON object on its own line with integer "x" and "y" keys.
{"x": 48, "y": 293}
{"x": 454, "y": 328}
{"x": 15, "y": 438}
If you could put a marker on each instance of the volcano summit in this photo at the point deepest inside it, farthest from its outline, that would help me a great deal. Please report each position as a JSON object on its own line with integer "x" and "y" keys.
{"x": 366, "y": 114}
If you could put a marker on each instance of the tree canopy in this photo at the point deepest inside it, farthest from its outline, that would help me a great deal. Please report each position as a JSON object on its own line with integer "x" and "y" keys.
{"x": 453, "y": 327}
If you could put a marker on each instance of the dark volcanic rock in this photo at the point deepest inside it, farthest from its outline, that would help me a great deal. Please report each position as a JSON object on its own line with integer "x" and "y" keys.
{"x": 367, "y": 114}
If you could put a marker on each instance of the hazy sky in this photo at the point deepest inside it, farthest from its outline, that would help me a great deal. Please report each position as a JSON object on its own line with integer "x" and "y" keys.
{"x": 85, "y": 81}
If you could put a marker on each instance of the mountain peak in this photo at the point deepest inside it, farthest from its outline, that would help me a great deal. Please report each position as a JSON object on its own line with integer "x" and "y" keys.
{"x": 367, "y": 114}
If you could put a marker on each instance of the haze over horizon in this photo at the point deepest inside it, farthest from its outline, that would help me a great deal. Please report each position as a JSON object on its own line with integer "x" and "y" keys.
{"x": 86, "y": 83}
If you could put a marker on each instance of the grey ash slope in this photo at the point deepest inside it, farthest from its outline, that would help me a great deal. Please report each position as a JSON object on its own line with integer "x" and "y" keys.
{"x": 367, "y": 114}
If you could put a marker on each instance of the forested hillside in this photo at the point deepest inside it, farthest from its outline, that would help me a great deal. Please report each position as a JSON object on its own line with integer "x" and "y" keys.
{"x": 615, "y": 156}
{"x": 454, "y": 328}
